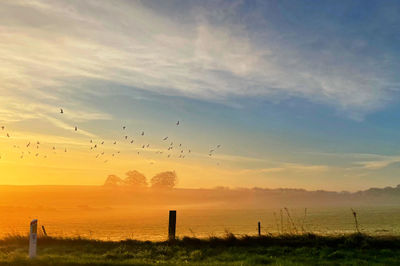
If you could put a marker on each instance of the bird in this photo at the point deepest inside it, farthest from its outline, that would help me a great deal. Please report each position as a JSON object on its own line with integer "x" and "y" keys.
{"x": 211, "y": 151}
{"x": 218, "y": 145}
{"x": 143, "y": 146}
{"x": 190, "y": 151}
{"x": 169, "y": 155}
{"x": 54, "y": 147}
{"x": 95, "y": 146}
{"x": 37, "y": 142}
{"x": 76, "y": 128}
{"x": 123, "y": 127}
{"x": 148, "y": 145}
{"x": 180, "y": 144}
{"x": 115, "y": 142}
{"x": 126, "y": 137}
{"x": 165, "y": 138}
{"x": 65, "y": 150}
{"x": 2, "y": 127}
{"x": 61, "y": 111}
{"x": 142, "y": 133}
{"x": 27, "y": 145}
{"x": 8, "y": 135}
{"x": 91, "y": 141}
{"x": 131, "y": 141}
{"x": 102, "y": 142}
{"x": 177, "y": 123}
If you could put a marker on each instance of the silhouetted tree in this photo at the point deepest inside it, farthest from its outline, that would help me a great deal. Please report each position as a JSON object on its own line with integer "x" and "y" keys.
{"x": 164, "y": 180}
{"x": 135, "y": 179}
{"x": 113, "y": 181}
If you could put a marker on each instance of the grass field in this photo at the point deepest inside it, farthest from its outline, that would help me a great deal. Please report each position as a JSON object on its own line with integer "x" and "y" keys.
{"x": 356, "y": 249}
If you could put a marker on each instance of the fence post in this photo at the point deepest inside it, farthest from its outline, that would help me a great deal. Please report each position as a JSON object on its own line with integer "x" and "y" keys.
{"x": 172, "y": 225}
{"x": 33, "y": 239}
{"x": 259, "y": 229}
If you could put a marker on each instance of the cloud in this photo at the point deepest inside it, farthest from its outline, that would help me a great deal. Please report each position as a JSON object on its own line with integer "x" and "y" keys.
{"x": 54, "y": 44}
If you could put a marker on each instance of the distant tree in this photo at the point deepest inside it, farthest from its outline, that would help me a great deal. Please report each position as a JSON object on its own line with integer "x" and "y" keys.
{"x": 164, "y": 180}
{"x": 113, "y": 181}
{"x": 135, "y": 179}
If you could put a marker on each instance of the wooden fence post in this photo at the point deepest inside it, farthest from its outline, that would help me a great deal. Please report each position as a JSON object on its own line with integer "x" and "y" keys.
{"x": 259, "y": 229}
{"x": 33, "y": 239}
{"x": 172, "y": 225}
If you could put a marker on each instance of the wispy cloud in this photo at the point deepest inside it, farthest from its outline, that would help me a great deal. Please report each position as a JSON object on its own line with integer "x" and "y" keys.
{"x": 44, "y": 43}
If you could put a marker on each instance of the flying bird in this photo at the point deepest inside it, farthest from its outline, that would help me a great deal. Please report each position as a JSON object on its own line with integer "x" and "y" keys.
{"x": 61, "y": 111}
{"x": 8, "y": 135}
{"x": 177, "y": 123}
{"x": 165, "y": 138}
{"x": 123, "y": 127}
{"x": 76, "y": 128}
{"x": 126, "y": 137}
{"x": 218, "y": 145}
{"x": 115, "y": 142}
{"x": 102, "y": 142}
{"x": 142, "y": 133}
{"x": 2, "y": 127}
{"x": 131, "y": 141}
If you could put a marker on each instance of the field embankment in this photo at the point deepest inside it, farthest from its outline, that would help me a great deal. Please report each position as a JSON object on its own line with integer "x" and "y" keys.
{"x": 356, "y": 249}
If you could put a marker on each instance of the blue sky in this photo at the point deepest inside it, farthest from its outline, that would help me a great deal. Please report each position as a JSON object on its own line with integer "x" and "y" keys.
{"x": 299, "y": 94}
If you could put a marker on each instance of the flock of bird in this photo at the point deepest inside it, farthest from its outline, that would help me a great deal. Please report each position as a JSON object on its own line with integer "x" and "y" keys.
{"x": 170, "y": 149}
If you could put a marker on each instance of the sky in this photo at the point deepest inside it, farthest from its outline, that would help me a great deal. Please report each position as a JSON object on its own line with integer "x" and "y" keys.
{"x": 298, "y": 94}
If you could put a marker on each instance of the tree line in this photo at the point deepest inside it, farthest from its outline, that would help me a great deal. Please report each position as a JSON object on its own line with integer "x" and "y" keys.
{"x": 135, "y": 179}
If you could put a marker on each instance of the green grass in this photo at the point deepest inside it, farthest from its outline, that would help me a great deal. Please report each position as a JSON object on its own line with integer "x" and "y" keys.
{"x": 307, "y": 249}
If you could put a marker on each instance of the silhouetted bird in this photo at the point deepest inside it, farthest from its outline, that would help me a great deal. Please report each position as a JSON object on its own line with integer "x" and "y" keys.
{"x": 177, "y": 123}
{"x": 61, "y": 111}
{"x": 123, "y": 127}
{"x": 76, "y": 128}
{"x": 165, "y": 138}
{"x": 142, "y": 133}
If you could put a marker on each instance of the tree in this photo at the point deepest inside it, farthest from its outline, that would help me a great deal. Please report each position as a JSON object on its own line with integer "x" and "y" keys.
{"x": 164, "y": 180}
{"x": 113, "y": 181}
{"x": 135, "y": 179}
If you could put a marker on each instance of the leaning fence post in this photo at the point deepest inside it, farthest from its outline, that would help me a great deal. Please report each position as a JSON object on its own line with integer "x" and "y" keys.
{"x": 44, "y": 230}
{"x": 33, "y": 239}
{"x": 172, "y": 225}
{"x": 259, "y": 229}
